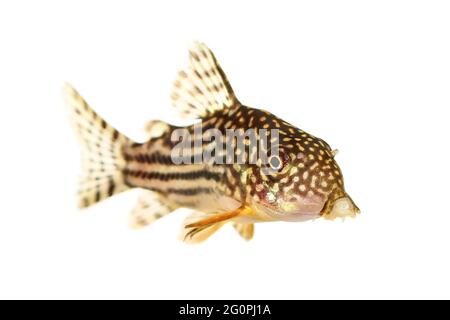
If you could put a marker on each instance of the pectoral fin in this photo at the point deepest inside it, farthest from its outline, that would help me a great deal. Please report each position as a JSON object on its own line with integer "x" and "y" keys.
{"x": 198, "y": 234}
{"x": 200, "y": 226}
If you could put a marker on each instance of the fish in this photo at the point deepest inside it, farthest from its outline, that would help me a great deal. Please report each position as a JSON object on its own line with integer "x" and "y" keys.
{"x": 235, "y": 164}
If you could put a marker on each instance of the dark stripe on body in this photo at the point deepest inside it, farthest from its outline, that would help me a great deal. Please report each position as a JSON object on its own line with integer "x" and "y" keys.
{"x": 149, "y": 158}
{"x": 192, "y": 175}
{"x": 183, "y": 192}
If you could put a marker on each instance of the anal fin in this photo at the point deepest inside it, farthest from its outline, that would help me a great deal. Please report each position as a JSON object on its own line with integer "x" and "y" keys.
{"x": 150, "y": 207}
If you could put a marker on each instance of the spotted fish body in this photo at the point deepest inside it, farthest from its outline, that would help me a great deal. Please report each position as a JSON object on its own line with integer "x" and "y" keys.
{"x": 303, "y": 181}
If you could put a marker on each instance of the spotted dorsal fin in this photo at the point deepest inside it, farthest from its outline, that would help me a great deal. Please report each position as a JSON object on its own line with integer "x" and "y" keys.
{"x": 202, "y": 88}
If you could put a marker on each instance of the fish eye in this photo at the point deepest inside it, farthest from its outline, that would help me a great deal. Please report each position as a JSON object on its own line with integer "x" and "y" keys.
{"x": 275, "y": 162}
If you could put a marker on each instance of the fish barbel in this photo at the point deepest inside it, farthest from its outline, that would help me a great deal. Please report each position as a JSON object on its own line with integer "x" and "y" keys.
{"x": 239, "y": 164}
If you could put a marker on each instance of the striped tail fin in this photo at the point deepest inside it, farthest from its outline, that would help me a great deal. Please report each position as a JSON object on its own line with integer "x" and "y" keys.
{"x": 102, "y": 157}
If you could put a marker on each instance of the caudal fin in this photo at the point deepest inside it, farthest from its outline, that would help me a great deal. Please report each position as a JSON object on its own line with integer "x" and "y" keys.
{"x": 102, "y": 157}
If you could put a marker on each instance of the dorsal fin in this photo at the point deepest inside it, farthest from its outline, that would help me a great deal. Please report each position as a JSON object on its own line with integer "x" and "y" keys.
{"x": 202, "y": 88}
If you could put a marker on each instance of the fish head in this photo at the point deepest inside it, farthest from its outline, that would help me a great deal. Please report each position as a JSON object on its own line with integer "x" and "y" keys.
{"x": 301, "y": 182}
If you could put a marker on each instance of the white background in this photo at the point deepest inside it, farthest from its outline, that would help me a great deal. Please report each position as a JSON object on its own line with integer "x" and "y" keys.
{"x": 370, "y": 77}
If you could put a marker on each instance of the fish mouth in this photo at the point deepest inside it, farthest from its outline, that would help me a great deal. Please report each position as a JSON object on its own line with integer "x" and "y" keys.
{"x": 342, "y": 208}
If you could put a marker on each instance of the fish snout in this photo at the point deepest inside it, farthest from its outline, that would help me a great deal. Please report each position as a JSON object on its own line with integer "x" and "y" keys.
{"x": 342, "y": 208}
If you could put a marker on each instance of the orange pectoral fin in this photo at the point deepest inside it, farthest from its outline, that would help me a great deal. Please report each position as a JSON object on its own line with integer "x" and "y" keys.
{"x": 200, "y": 234}
{"x": 220, "y": 217}
{"x": 202, "y": 229}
